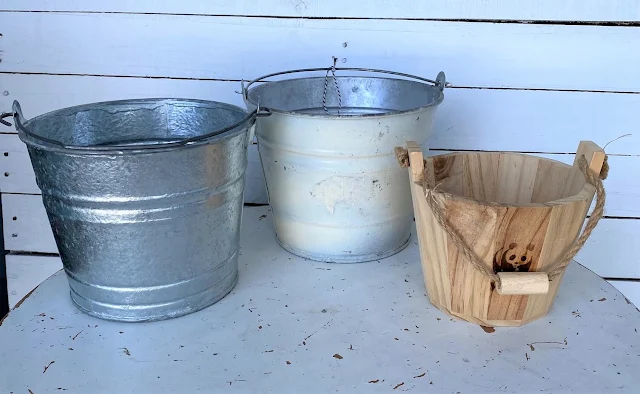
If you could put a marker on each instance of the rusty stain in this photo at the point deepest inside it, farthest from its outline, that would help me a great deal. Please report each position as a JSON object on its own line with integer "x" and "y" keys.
{"x": 374, "y": 381}
{"x": 532, "y": 348}
{"x": 420, "y": 376}
{"x": 602, "y": 299}
{"x": 488, "y": 329}
{"x": 47, "y": 366}
{"x": 75, "y": 336}
{"x": 398, "y": 385}
{"x": 339, "y": 357}
{"x": 126, "y": 351}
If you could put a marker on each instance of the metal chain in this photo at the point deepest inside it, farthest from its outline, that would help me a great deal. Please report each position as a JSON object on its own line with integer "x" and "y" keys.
{"x": 326, "y": 85}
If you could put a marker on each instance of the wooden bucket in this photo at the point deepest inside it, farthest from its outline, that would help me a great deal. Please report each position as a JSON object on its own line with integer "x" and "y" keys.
{"x": 519, "y": 214}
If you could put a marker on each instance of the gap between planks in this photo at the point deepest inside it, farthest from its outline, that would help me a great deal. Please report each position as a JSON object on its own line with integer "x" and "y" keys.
{"x": 349, "y": 18}
{"x": 523, "y": 152}
{"x": 251, "y": 204}
{"x": 238, "y": 80}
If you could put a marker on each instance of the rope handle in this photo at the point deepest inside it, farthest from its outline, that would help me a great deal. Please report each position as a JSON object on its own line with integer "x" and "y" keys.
{"x": 433, "y": 196}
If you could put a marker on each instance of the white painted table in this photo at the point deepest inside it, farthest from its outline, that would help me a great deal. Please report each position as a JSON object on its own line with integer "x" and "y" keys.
{"x": 294, "y": 326}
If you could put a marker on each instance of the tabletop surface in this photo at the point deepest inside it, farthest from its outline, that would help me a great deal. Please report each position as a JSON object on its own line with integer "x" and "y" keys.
{"x": 293, "y": 325}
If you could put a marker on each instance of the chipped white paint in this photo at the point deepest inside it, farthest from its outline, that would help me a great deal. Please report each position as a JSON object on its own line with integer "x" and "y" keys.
{"x": 279, "y": 330}
{"x": 336, "y": 189}
{"x": 351, "y": 191}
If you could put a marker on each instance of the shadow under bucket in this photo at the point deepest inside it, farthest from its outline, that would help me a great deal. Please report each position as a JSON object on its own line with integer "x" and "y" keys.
{"x": 145, "y": 201}
{"x": 326, "y": 147}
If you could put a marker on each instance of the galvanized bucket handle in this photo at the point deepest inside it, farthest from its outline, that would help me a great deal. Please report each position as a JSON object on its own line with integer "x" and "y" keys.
{"x": 440, "y": 81}
{"x": 20, "y": 121}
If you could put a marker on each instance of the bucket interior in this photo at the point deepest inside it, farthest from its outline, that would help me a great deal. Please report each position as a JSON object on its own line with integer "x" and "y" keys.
{"x": 506, "y": 178}
{"x": 134, "y": 122}
{"x": 358, "y": 95}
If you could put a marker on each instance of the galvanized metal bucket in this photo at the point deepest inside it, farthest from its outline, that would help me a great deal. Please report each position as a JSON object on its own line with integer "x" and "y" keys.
{"x": 145, "y": 201}
{"x": 336, "y": 190}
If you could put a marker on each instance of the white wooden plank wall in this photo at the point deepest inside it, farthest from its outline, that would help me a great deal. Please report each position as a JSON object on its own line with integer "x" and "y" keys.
{"x": 545, "y": 10}
{"x": 532, "y": 76}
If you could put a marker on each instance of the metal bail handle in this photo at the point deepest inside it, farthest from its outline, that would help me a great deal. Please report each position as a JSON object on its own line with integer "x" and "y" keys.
{"x": 20, "y": 121}
{"x": 18, "y": 118}
{"x": 6, "y": 115}
{"x": 440, "y": 82}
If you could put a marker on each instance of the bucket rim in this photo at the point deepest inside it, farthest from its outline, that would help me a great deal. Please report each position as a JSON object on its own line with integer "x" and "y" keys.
{"x": 438, "y": 84}
{"x": 582, "y": 195}
{"x": 34, "y": 140}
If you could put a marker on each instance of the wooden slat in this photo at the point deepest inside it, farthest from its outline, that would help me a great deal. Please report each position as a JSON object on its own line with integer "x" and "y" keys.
{"x": 607, "y": 252}
{"x": 477, "y": 119}
{"x": 24, "y": 273}
{"x": 623, "y": 187}
{"x": 630, "y": 289}
{"x": 546, "y": 10}
{"x": 231, "y": 48}
{"x": 16, "y": 172}
{"x": 26, "y": 226}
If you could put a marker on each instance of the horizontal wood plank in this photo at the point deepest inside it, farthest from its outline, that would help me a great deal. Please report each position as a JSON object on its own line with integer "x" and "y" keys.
{"x": 622, "y": 186}
{"x": 545, "y": 10}
{"x": 468, "y": 119}
{"x": 232, "y": 48}
{"x": 26, "y": 226}
{"x": 630, "y": 289}
{"x": 607, "y": 252}
{"x": 25, "y": 273}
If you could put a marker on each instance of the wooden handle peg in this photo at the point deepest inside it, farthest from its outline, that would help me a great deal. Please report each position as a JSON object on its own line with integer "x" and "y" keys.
{"x": 523, "y": 283}
{"x": 416, "y": 161}
{"x": 593, "y": 153}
